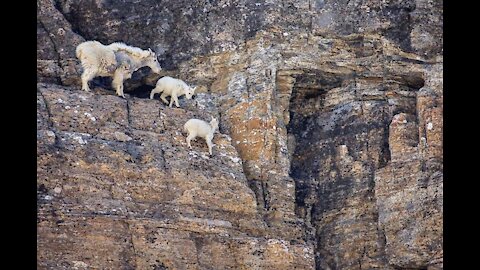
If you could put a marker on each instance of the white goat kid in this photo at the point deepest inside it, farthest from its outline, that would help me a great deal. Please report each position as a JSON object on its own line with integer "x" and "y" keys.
{"x": 174, "y": 88}
{"x": 104, "y": 60}
{"x": 199, "y": 128}
{"x": 122, "y": 73}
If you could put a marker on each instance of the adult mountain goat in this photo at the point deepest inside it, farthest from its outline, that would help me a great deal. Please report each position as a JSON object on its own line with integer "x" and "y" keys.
{"x": 104, "y": 60}
{"x": 174, "y": 88}
{"x": 199, "y": 128}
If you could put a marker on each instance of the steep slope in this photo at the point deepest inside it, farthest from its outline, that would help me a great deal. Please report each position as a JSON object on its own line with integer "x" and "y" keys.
{"x": 329, "y": 154}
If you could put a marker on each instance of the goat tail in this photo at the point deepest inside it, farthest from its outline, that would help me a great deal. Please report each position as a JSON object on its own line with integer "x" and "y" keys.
{"x": 79, "y": 50}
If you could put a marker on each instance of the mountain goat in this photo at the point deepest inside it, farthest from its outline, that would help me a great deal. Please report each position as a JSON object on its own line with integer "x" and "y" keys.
{"x": 96, "y": 59}
{"x": 169, "y": 86}
{"x": 104, "y": 60}
{"x": 199, "y": 128}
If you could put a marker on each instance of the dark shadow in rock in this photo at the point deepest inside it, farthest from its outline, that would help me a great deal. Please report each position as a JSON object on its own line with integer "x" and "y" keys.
{"x": 142, "y": 91}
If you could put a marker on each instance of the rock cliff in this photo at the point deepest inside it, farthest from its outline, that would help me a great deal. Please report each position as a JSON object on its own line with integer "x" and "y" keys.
{"x": 329, "y": 153}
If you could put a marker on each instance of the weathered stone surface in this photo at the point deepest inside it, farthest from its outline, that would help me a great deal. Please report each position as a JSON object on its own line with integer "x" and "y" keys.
{"x": 329, "y": 154}
{"x": 409, "y": 190}
{"x": 56, "y": 43}
{"x": 138, "y": 176}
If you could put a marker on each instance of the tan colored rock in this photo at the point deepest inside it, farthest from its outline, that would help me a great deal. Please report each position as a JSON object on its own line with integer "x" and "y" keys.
{"x": 147, "y": 179}
{"x": 329, "y": 154}
{"x": 409, "y": 189}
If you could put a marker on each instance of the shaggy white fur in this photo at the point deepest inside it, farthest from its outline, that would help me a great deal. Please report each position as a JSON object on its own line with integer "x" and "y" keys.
{"x": 199, "y": 128}
{"x": 169, "y": 86}
{"x": 116, "y": 60}
{"x": 96, "y": 59}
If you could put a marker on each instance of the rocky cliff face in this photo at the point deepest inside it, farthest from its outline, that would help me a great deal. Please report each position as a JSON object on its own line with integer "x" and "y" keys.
{"x": 329, "y": 154}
